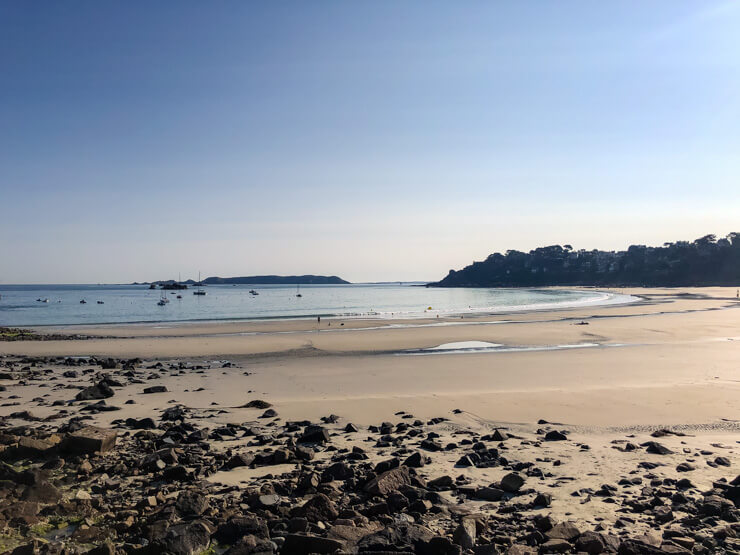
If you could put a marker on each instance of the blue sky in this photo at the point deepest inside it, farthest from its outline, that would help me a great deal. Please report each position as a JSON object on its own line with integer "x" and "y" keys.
{"x": 372, "y": 140}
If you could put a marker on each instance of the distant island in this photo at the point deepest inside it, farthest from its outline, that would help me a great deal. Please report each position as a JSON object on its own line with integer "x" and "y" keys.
{"x": 703, "y": 262}
{"x": 249, "y": 280}
{"x": 277, "y": 280}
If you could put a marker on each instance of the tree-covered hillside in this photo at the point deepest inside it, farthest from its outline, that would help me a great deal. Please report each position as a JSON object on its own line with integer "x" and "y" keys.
{"x": 706, "y": 261}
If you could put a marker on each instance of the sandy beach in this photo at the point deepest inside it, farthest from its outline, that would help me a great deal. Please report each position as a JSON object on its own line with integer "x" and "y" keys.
{"x": 605, "y": 375}
{"x": 671, "y": 358}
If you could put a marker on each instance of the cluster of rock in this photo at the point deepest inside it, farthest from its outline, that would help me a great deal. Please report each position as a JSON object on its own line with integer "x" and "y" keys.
{"x": 155, "y": 485}
{"x": 23, "y": 334}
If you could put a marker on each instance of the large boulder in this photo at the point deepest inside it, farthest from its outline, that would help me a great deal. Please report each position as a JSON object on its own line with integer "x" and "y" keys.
{"x": 191, "y": 503}
{"x": 512, "y": 482}
{"x": 188, "y": 538}
{"x": 592, "y": 543}
{"x": 314, "y": 434}
{"x": 318, "y": 509}
{"x": 489, "y": 494}
{"x": 564, "y": 531}
{"x": 656, "y": 448}
{"x": 155, "y": 389}
{"x": 29, "y": 448}
{"x": 464, "y": 535}
{"x": 239, "y": 526}
{"x": 412, "y": 537}
{"x": 389, "y": 481}
{"x": 89, "y": 440}
{"x": 100, "y": 390}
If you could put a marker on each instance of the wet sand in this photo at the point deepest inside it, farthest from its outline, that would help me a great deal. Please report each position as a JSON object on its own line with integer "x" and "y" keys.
{"x": 673, "y": 358}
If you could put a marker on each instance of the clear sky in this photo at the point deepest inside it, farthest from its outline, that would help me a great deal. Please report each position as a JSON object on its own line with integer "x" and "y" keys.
{"x": 375, "y": 140}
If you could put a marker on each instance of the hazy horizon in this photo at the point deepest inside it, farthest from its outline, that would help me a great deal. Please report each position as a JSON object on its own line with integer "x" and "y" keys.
{"x": 375, "y": 142}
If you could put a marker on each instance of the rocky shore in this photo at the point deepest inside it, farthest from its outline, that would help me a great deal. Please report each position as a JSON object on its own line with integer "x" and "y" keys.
{"x": 23, "y": 334}
{"x": 187, "y": 480}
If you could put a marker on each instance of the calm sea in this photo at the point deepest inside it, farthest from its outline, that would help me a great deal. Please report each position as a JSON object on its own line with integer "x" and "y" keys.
{"x": 20, "y": 304}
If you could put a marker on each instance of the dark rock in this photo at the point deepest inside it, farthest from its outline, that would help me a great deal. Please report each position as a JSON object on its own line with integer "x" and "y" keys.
{"x": 464, "y": 535}
{"x": 89, "y": 440}
{"x": 656, "y": 448}
{"x": 41, "y": 492}
{"x": 141, "y": 424}
{"x": 389, "y": 481}
{"x": 512, "y": 482}
{"x": 318, "y": 509}
{"x": 441, "y": 483}
{"x": 100, "y": 390}
{"x": 301, "y": 544}
{"x": 338, "y": 471}
{"x": 239, "y": 526}
{"x": 155, "y": 389}
{"x": 416, "y": 460}
{"x": 556, "y": 545}
{"x": 592, "y": 543}
{"x": 191, "y": 503}
{"x": 412, "y": 537}
{"x": 314, "y": 434}
{"x": 188, "y": 538}
{"x": 489, "y": 494}
{"x": 240, "y": 459}
{"x": 256, "y": 404}
{"x": 564, "y": 531}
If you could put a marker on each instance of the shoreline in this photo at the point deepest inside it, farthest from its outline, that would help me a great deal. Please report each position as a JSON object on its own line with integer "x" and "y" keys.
{"x": 611, "y": 299}
{"x": 663, "y": 346}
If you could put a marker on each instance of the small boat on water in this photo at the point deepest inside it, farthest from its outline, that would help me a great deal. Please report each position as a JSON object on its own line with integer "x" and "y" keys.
{"x": 40, "y": 300}
{"x": 101, "y": 302}
{"x": 298, "y": 291}
{"x": 179, "y": 297}
{"x": 253, "y": 292}
{"x": 83, "y": 301}
{"x": 199, "y": 291}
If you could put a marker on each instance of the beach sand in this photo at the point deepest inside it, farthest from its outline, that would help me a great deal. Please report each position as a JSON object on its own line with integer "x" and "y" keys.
{"x": 671, "y": 360}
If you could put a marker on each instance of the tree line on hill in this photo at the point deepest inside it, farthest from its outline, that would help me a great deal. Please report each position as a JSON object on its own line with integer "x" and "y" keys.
{"x": 705, "y": 261}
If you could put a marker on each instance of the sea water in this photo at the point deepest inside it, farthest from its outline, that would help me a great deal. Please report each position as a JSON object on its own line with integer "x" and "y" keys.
{"x": 19, "y": 304}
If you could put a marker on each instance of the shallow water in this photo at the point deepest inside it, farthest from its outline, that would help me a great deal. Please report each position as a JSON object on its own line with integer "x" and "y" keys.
{"x": 135, "y": 303}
